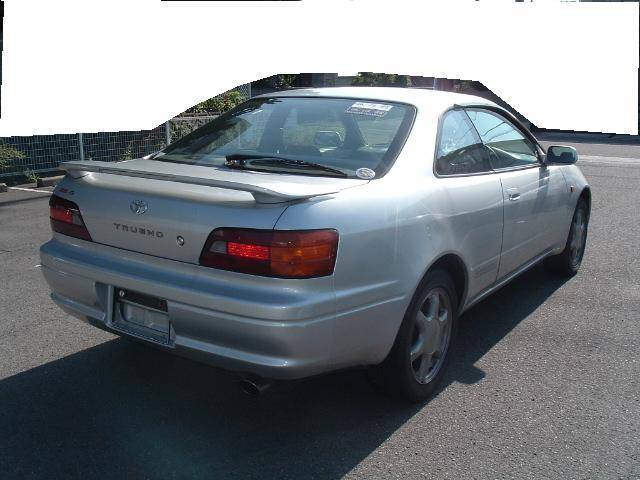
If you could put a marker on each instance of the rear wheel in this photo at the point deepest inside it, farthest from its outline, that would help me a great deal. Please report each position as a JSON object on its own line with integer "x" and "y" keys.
{"x": 418, "y": 358}
{"x": 568, "y": 261}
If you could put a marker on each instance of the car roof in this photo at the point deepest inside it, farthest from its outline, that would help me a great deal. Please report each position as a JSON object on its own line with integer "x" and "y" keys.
{"x": 415, "y": 96}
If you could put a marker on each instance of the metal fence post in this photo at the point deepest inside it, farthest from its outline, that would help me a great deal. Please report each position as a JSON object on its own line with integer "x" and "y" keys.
{"x": 249, "y": 90}
{"x": 81, "y": 147}
{"x": 167, "y": 131}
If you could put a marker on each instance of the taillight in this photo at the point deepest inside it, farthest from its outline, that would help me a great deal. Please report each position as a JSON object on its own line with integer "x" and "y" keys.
{"x": 272, "y": 253}
{"x": 66, "y": 218}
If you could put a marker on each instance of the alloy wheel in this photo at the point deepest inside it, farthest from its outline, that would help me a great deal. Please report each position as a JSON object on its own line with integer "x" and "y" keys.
{"x": 431, "y": 335}
{"x": 578, "y": 236}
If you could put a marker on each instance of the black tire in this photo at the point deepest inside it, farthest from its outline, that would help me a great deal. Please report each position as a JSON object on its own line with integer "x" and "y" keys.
{"x": 567, "y": 263}
{"x": 397, "y": 375}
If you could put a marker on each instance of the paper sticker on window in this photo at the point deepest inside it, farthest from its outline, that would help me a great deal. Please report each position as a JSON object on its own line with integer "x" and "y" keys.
{"x": 371, "y": 109}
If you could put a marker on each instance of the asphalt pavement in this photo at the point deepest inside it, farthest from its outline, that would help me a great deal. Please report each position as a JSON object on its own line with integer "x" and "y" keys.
{"x": 545, "y": 382}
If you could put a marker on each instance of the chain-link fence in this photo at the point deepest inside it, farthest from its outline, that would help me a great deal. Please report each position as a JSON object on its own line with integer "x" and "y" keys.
{"x": 38, "y": 153}
{"x": 41, "y": 154}
{"x": 245, "y": 90}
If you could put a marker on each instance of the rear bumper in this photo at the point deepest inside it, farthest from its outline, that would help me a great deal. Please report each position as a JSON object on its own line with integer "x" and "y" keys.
{"x": 281, "y": 329}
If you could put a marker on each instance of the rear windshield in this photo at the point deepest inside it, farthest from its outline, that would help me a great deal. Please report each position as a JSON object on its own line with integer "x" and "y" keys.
{"x": 342, "y": 134}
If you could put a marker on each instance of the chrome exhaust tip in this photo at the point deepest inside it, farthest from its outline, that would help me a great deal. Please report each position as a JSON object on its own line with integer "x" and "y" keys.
{"x": 255, "y": 386}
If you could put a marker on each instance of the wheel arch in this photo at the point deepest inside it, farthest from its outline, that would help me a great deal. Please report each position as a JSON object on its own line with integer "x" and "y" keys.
{"x": 586, "y": 194}
{"x": 453, "y": 264}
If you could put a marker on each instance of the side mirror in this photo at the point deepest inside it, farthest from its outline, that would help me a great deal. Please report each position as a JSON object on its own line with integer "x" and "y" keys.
{"x": 561, "y": 154}
{"x": 327, "y": 139}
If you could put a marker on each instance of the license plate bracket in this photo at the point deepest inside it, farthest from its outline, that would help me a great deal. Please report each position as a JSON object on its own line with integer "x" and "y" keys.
{"x": 141, "y": 315}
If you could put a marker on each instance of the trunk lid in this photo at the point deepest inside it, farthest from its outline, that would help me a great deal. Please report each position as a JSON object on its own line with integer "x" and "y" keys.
{"x": 168, "y": 210}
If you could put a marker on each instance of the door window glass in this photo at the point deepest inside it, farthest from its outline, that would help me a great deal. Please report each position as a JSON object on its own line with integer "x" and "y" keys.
{"x": 460, "y": 150}
{"x": 509, "y": 147}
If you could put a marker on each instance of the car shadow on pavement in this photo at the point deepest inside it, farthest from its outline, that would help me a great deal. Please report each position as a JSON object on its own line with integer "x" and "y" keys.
{"x": 124, "y": 410}
{"x": 488, "y": 322}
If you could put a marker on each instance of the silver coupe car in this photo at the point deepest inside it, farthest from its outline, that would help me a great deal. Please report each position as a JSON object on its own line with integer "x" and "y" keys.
{"x": 314, "y": 230}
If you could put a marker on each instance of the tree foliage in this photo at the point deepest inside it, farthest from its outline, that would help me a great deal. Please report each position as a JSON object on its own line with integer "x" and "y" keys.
{"x": 219, "y": 104}
{"x": 277, "y": 82}
{"x": 369, "y": 79}
{"x": 9, "y": 153}
{"x": 284, "y": 81}
{"x": 467, "y": 86}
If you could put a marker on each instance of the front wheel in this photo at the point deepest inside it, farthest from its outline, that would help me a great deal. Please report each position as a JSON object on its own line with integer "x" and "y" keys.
{"x": 567, "y": 263}
{"x": 418, "y": 358}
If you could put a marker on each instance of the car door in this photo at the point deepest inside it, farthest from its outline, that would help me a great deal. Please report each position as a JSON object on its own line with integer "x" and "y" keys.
{"x": 532, "y": 192}
{"x": 471, "y": 198}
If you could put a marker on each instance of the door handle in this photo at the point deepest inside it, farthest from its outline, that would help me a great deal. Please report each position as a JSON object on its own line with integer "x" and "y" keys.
{"x": 513, "y": 194}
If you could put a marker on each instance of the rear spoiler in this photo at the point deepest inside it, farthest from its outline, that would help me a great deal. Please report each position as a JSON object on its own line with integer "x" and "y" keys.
{"x": 260, "y": 194}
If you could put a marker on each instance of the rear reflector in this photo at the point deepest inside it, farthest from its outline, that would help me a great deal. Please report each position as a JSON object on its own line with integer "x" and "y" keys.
{"x": 272, "y": 253}
{"x": 66, "y": 218}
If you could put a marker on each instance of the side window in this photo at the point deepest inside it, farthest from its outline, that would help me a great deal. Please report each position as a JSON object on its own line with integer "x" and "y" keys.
{"x": 509, "y": 147}
{"x": 460, "y": 150}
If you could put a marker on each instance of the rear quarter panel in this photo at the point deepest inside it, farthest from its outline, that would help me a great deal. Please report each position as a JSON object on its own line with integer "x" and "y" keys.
{"x": 391, "y": 232}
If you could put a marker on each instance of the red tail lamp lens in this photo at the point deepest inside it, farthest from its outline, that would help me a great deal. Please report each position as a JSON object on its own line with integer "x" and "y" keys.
{"x": 66, "y": 218}
{"x": 272, "y": 253}
{"x": 257, "y": 252}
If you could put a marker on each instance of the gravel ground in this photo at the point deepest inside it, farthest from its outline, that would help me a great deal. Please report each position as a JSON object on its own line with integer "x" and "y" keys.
{"x": 545, "y": 382}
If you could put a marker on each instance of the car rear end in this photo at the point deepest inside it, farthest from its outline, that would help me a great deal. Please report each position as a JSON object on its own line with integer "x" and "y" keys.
{"x": 185, "y": 254}
{"x": 200, "y": 273}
